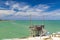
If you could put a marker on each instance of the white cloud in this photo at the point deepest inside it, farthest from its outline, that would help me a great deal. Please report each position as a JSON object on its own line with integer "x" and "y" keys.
{"x": 56, "y": 13}
{"x": 15, "y": 5}
{"x": 53, "y": 13}
{"x": 26, "y": 10}
{"x": 6, "y": 12}
{"x": 7, "y": 3}
{"x": 27, "y": 14}
{"x": 42, "y": 6}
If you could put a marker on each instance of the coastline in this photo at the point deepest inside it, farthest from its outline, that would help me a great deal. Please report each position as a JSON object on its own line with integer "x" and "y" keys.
{"x": 53, "y": 36}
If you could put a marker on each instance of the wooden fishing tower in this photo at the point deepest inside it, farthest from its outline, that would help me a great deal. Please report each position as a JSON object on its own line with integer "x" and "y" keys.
{"x": 36, "y": 30}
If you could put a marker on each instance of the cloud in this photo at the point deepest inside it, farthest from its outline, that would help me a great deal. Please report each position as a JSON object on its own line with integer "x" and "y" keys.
{"x": 20, "y": 9}
{"x": 6, "y": 12}
{"x": 27, "y": 9}
{"x": 7, "y": 3}
{"x": 24, "y": 9}
{"x": 53, "y": 13}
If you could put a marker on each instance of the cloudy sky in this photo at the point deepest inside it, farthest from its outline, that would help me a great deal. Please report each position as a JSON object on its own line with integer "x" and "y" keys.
{"x": 22, "y": 9}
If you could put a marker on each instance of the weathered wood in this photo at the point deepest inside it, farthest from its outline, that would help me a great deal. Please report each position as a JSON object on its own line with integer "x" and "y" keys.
{"x": 37, "y": 30}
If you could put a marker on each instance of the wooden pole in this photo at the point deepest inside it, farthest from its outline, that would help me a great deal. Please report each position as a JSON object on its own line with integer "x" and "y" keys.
{"x": 43, "y": 20}
{"x": 31, "y": 32}
{"x": 30, "y": 20}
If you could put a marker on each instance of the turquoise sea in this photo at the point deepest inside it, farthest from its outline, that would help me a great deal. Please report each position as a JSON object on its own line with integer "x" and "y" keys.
{"x": 18, "y": 29}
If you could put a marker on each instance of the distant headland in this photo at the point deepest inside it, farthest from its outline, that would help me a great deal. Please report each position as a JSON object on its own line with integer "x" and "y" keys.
{"x": 3, "y": 20}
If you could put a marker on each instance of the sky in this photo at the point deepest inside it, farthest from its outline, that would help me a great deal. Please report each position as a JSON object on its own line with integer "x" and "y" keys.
{"x": 23, "y": 9}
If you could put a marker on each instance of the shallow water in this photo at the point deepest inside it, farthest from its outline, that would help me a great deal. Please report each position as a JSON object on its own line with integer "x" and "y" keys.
{"x": 18, "y": 29}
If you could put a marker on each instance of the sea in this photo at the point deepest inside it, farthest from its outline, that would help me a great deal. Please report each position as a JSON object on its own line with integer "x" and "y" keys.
{"x": 20, "y": 28}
